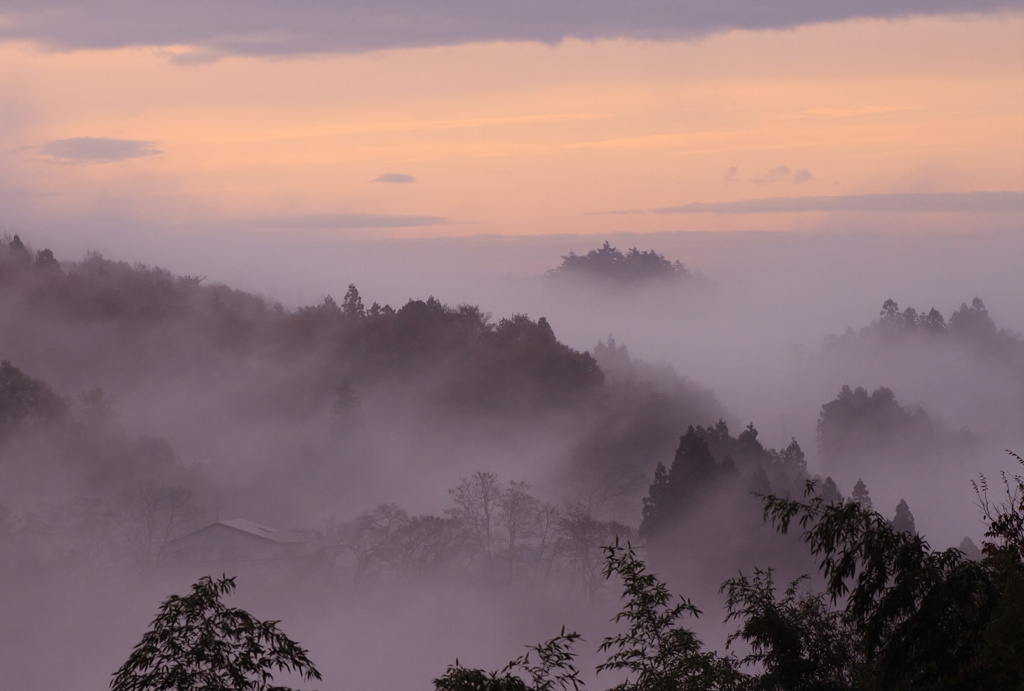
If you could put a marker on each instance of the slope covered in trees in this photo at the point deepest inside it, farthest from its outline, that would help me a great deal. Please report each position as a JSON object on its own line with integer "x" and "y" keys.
{"x": 893, "y": 613}
{"x": 611, "y": 266}
{"x": 424, "y": 446}
{"x": 858, "y": 430}
{"x": 964, "y": 368}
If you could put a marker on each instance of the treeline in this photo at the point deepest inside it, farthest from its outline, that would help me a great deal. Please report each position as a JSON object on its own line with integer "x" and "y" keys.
{"x": 969, "y": 326}
{"x": 493, "y": 532}
{"x": 856, "y": 426}
{"x": 122, "y": 326}
{"x": 893, "y": 613}
{"x": 609, "y": 265}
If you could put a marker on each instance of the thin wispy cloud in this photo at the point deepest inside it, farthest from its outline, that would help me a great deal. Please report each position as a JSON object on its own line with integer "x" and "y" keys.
{"x": 955, "y": 202}
{"x": 351, "y": 221}
{"x": 265, "y": 27}
{"x": 772, "y": 176}
{"x": 395, "y": 178}
{"x": 776, "y": 174}
{"x": 856, "y": 112}
{"x": 97, "y": 150}
{"x": 802, "y": 175}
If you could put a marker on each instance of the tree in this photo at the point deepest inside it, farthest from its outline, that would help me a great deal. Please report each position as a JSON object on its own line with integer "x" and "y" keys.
{"x": 518, "y": 511}
{"x": 26, "y": 402}
{"x": 582, "y": 538}
{"x": 196, "y": 643}
{"x": 657, "y": 651}
{"x": 18, "y": 253}
{"x": 861, "y": 495}
{"x": 890, "y": 319}
{"x": 151, "y": 515}
{"x": 609, "y": 264}
{"x": 903, "y": 521}
{"x": 46, "y": 262}
{"x": 549, "y": 666}
{"x": 369, "y": 538}
{"x": 799, "y": 642}
{"x": 893, "y": 613}
{"x": 352, "y": 304}
{"x": 673, "y": 492}
{"x": 830, "y": 492}
{"x": 918, "y": 615}
{"x": 476, "y": 507}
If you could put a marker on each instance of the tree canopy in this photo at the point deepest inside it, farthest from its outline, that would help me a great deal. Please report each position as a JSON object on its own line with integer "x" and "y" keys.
{"x": 893, "y": 613}
{"x": 196, "y": 643}
{"x": 609, "y": 264}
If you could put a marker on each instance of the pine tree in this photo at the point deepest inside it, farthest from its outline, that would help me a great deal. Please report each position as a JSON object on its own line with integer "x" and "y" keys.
{"x": 830, "y": 492}
{"x": 352, "y": 304}
{"x": 903, "y": 521}
{"x": 861, "y": 495}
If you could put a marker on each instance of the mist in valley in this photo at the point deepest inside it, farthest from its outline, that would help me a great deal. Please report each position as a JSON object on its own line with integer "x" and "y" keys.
{"x": 448, "y": 431}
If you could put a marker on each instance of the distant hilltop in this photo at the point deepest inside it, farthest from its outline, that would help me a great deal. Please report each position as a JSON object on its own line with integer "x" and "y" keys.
{"x": 609, "y": 265}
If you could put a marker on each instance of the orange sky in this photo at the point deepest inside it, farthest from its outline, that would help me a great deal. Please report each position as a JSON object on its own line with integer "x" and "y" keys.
{"x": 525, "y": 138}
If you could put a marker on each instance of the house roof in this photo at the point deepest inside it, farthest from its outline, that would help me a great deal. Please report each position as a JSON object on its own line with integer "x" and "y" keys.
{"x": 253, "y": 528}
{"x": 263, "y": 531}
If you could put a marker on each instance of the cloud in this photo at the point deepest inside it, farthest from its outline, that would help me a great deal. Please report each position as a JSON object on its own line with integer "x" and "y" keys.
{"x": 97, "y": 149}
{"x": 400, "y": 178}
{"x": 732, "y": 174}
{"x": 776, "y": 174}
{"x": 945, "y": 202}
{"x": 343, "y": 221}
{"x": 782, "y": 174}
{"x": 802, "y": 175}
{"x": 271, "y": 27}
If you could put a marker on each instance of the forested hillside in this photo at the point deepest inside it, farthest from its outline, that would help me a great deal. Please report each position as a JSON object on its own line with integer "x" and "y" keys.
{"x": 431, "y": 451}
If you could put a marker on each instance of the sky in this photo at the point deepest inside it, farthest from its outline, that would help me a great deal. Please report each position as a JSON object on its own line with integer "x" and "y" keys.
{"x": 420, "y": 119}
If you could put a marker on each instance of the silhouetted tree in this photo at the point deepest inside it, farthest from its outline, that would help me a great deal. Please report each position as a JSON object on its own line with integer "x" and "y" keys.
{"x": 582, "y": 539}
{"x": 26, "y": 402}
{"x": 609, "y": 264}
{"x": 518, "y": 515}
{"x": 196, "y": 643}
{"x": 830, "y": 492}
{"x": 973, "y": 322}
{"x": 861, "y": 495}
{"x": 352, "y": 304}
{"x": 18, "y": 253}
{"x": 370, "y": 538}
{"x": 903, "y": 521}
{"x": 674, "y": 491}
{"x": 46, "y": 262}
{"x": 477, "y": 503}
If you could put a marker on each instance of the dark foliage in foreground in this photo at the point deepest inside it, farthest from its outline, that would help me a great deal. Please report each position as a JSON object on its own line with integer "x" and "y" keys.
{"x": 196, "y": 643}
{"x": 893, "y": 614}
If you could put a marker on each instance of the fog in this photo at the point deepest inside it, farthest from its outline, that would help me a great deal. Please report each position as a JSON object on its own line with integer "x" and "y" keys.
{"x": 288, "y": 410}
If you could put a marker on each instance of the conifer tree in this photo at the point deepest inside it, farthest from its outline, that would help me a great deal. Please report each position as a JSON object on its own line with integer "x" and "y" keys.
{"x": 861, "y": 495}
{"x": 903, "y": 521}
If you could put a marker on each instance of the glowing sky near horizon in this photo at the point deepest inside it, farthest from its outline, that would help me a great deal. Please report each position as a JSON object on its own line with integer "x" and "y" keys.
{"x": 524, "y": 138}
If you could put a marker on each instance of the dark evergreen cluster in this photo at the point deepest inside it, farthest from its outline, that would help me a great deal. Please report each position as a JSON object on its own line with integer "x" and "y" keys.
{"x": 970, "y": 327}
{"x": 893, "y": 613}
{"x": 711, "y": 459}
{"x": 608, "y": 264}
{"x": 857, "y": 425}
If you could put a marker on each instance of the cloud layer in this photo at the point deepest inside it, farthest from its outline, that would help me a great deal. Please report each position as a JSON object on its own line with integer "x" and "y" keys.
{"x": 399, "y": 178}
{"x": 962, "y": 202}
{"x": 97, "y": 149}
{"x": 270, "y": 27}
{"x": 354, "y": 221}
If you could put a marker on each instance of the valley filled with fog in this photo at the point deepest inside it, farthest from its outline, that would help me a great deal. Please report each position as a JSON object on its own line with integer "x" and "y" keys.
{"x": 439, "y": 436}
